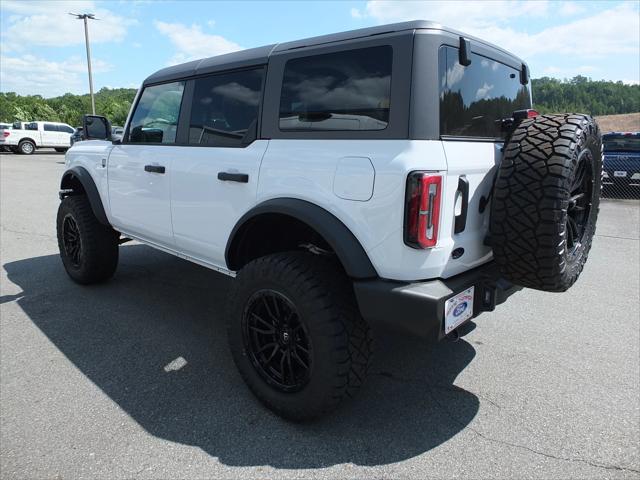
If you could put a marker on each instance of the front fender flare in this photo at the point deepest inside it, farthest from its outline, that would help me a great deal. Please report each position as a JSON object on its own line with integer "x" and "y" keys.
{"x": 89, "y": 186}
{"x": 350, "y": 252}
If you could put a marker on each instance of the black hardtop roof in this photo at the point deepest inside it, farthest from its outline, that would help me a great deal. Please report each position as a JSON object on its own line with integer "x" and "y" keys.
{"x": 260, "y": 55}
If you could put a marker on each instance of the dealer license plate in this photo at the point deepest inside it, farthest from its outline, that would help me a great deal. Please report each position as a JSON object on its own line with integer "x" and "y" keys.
{"x": 619, "y": 173}
{"x": 458, "y": 309}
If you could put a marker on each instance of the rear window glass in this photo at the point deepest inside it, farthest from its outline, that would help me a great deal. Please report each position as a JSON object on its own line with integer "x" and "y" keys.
{"x": 621, "y": 143}
{"x": 475, "y": 98}
{"x": 347, "y": 90}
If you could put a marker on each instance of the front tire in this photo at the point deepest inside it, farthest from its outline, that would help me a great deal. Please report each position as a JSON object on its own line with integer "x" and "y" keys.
{"x": 296, "y": 334}
{"x": 89, "y": 249}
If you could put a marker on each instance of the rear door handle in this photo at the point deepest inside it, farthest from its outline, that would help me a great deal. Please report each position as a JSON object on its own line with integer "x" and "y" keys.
{"x": 154, "y": 168}
{"x": 233, "y": 177}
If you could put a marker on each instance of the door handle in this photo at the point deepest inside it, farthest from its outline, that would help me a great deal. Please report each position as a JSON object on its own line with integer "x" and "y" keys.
{"x": 233, "y": 177}
{"x": 154, "y": 168}
{"x": 461, "y": 220}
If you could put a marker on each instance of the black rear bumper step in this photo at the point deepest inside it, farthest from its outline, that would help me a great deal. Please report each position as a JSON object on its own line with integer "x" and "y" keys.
{"x": 418, "y": 307}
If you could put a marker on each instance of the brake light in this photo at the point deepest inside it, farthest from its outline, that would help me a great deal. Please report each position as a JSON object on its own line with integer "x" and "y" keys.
{"x": 6, "y": 133}
{"x": 422, "y": 210}
{"x": 532, "y": 113}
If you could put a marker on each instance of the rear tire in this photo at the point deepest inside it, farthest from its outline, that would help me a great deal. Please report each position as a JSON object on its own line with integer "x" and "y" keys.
{"x": 89, "y": 249}
{"x": 325, "y": 322}
{"x": 26, "y": 147}
{"x": 546, "y": 200}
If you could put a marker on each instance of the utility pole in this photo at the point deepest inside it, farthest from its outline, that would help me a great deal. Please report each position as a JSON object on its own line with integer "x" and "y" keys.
{"x": 85, "y": 17}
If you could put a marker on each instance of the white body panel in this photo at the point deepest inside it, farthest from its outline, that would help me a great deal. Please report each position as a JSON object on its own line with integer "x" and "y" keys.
{"x": 205, "y": 209}
{"x": 189, "y": 212}
{"x": 140, "y": 201}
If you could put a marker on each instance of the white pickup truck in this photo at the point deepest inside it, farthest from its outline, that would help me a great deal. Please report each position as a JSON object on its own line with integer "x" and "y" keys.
{"x": 25, "y": 137}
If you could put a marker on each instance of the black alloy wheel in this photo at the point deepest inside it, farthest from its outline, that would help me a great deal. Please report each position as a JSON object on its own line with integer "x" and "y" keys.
{"x": 580, "y": 203}
{"x": 277, "y": 341}
{"x": 71, "y": 241}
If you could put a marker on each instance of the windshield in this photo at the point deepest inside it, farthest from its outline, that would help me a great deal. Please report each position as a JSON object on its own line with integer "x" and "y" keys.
{"x": 621, "y": 143}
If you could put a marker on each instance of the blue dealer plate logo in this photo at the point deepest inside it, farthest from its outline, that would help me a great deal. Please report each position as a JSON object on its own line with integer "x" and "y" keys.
{"x": 460, "y": 309}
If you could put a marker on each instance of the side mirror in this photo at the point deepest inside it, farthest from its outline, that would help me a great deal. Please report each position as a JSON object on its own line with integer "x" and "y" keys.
{"x": 95, "y": 127}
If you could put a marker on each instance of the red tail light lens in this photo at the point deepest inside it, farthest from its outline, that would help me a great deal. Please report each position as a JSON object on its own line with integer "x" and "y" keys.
{"x": 6, "y": 133}
{"x": 422, "y": 210}
{"x": 532, "y": 113}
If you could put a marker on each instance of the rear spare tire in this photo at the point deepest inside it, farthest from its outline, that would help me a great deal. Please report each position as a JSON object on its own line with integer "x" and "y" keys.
{"x": 546, "y": 199}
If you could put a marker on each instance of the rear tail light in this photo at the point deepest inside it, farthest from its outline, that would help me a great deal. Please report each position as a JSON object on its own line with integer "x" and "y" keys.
{"x": 422, "y": 209}
{"x": 6, "y": 133}
{"x": 532, "y": 113}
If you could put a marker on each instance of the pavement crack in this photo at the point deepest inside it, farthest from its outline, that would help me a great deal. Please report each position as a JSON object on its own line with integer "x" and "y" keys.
{"x": 524, "y": 447}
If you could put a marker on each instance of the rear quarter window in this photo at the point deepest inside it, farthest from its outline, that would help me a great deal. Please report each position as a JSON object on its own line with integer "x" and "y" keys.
{"x": 348, "y": 90}
{"x": 473, "y": 99}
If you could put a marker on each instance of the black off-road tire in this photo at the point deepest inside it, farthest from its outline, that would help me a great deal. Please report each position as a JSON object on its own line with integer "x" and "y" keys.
{"x": 341, "y": 341}
{"x": 26, "y": 147}
{"x": 535, "y": 201}
{"x": 98, "y": 257}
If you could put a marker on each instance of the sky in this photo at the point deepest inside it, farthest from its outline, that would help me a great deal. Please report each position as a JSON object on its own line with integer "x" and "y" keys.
{"x": 42, "y": 48}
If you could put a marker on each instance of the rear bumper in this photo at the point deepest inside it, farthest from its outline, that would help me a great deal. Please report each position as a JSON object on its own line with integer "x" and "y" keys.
{"x": 418, "y": 307}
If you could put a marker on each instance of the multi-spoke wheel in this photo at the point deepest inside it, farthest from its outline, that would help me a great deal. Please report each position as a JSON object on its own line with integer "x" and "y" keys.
{"x": 296, "y": 334}
{"x": 71, "y": 240}
{"x": 277, "y": 341}
{"x": 579, "y": 209}
{"x": 89, "y": 250}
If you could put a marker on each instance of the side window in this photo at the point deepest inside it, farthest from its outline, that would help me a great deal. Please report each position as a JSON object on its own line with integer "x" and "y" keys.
{"x": 65, "y": 129}
{"x": 31, "y": 126}
{"x": 475, "y": 98}
{"x": 348, "y": 90}
{"x": 155, "y": 119}
{"x": 50, "y": 128}
{"x": 225, "y": 109}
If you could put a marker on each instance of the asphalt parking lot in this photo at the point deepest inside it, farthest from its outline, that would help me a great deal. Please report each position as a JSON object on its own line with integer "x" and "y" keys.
{"x": 133, "y": 379}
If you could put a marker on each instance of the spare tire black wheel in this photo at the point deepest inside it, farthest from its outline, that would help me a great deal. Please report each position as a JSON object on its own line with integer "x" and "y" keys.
{"x": 546, "y": 199}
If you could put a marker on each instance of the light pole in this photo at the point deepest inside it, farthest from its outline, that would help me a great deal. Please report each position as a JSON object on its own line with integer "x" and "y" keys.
{"x": 85, "y": 16}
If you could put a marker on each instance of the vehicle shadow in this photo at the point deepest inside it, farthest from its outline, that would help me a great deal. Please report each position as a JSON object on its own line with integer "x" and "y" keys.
{"x": 126, "y": 335}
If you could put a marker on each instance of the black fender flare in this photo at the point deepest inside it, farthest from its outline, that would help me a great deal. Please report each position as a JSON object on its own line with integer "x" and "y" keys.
{"x": 343, "y": 242}
{"x": 89, "y": 186}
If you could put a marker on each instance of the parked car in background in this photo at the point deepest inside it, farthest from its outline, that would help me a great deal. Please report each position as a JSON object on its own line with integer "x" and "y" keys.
{"x": 4, "y": 126}
{"x": 621, "y": 165}
{"x": 26, "y": 137}
{"x": 117, "y": 132}
{"x": 76, "y": 136}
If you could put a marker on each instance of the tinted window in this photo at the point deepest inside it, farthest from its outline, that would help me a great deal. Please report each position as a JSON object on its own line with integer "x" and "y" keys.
{"x": 337, "y": 91}
{"x": 31, "y": 126}
{"x": 50, "y": 128}
{"x": 155, "y": 119}
{"x": 621, "y": 143}
{"x": 65, "y": 129}
{"x": 225, "y": 109}
{"x": 473, "y": 99}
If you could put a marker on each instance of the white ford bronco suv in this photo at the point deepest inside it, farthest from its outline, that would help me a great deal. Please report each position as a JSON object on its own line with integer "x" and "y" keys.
{"x": 393, "y": 175}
